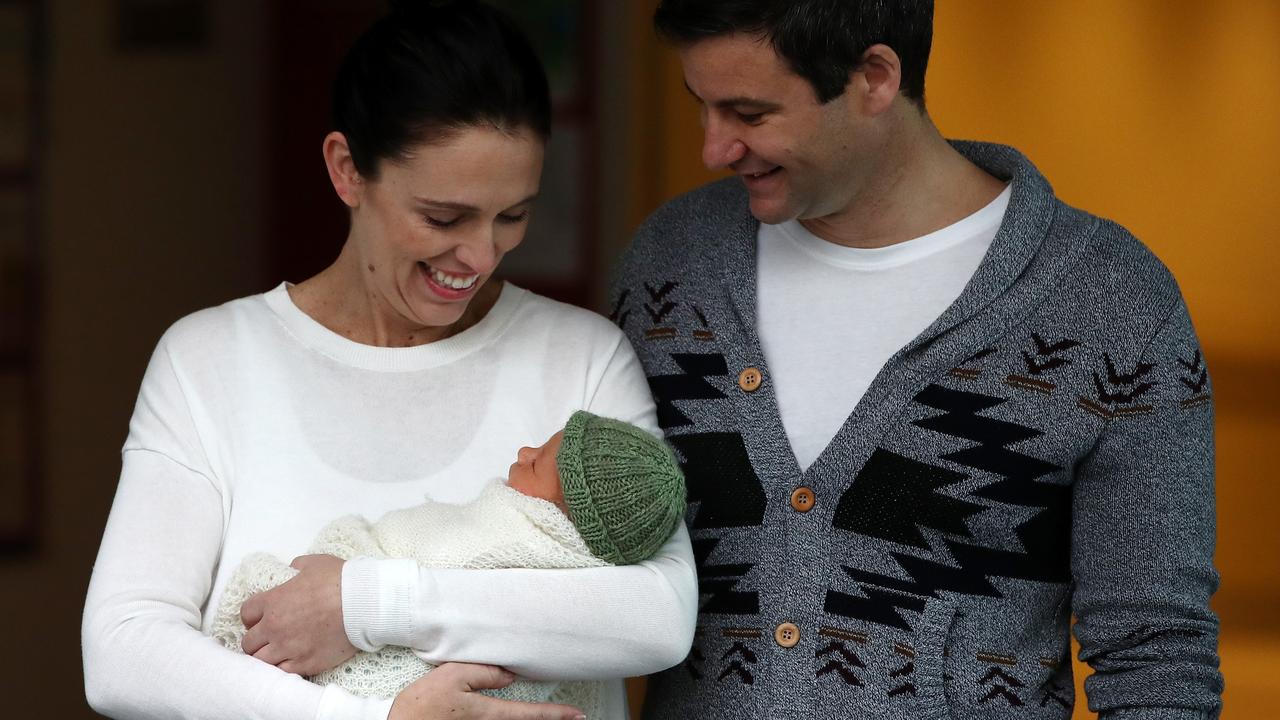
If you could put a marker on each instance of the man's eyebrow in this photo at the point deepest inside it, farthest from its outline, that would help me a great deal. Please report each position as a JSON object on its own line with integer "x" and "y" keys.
{"x": 737, "y": 102}
{"x": 462, "y": 207}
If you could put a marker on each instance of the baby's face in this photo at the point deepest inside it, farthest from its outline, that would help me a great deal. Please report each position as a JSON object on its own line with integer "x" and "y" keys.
{"x": 534, "y": 472}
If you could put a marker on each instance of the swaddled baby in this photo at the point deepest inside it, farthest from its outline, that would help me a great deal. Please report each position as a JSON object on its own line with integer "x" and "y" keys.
{"x": 599, "y": 492}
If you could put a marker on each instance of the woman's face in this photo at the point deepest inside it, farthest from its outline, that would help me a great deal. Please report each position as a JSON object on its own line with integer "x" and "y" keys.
{"x": 432, "y": 228}
{"x": 535, "y": 473}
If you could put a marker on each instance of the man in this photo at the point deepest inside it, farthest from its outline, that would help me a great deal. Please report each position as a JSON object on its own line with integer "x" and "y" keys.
{"x": 927, "y": 412}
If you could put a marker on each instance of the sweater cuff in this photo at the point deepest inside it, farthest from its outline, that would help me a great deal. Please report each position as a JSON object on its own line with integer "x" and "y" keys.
{"x": 338, "y": 704}
{"x": 1159, "y": 713}
{"x": 378, "y": 601}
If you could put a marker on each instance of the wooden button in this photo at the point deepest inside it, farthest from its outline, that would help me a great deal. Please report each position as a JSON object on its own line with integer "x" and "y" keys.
{"x": 787, "y": 635}
{"x": 750, "y": 379}
{"x": 802, "y": 499}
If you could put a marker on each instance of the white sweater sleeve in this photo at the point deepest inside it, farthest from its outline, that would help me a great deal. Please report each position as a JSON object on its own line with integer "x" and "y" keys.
{"x": 542, "y": 624}
{"x": 144, "y": 654}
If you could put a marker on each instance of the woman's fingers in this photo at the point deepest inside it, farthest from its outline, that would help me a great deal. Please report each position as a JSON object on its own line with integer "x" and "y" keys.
{"x": 270, "y": 654}
{"x": 490, "y": 708}
{"x": 253, "y": 641}
{"x": 469, "y": 677}
{"x": 449, "y": 691}
{"x": 251, "y": 610}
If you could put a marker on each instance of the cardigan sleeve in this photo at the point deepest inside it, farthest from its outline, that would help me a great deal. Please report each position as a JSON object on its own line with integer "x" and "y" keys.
{"x": 1143, "y": 541}
{"x": 144, "y": 653}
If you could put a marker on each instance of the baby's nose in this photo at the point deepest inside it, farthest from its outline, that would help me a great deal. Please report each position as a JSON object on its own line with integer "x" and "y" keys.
{"x": 524, "y": 455}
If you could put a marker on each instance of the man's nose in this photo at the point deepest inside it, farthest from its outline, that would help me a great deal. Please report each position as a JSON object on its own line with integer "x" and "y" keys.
{"x": 720, "y": 146}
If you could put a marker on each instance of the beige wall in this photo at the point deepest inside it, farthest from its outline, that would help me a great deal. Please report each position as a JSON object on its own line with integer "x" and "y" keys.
{"x": 152, "y": 210}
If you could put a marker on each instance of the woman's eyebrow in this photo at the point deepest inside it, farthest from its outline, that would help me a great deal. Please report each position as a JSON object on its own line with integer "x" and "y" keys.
{"x": 463, "y": 207}
{"x": 446, "y": 205}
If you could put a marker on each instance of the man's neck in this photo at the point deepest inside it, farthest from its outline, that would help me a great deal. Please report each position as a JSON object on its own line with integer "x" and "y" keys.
{"x": 919, "y": 184}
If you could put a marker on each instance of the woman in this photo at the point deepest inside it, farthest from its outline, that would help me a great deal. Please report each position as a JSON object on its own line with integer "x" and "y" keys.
{"x": 400, "y": 371}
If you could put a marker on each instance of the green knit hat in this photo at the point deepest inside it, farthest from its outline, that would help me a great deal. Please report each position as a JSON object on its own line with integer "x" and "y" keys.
{"x": 624, "y": 490}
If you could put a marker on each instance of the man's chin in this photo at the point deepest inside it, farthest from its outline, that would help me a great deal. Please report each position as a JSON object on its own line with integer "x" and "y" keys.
{"x": 770, "y": 213}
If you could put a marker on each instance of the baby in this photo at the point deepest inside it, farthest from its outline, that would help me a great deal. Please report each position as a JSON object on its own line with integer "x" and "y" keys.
{"x": 599, "y": 492}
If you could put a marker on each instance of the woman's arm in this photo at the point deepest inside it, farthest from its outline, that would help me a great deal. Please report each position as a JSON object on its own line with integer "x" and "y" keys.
{"x": 542, "y": 624}
{"x": 144, "y": 654}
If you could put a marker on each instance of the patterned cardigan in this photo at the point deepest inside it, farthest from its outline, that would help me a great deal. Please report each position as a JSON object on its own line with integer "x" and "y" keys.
{"x": 1043, "y": 450}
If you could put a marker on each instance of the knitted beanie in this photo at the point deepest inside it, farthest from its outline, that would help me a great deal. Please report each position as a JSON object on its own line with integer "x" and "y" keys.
{"x": 624, "y": 490}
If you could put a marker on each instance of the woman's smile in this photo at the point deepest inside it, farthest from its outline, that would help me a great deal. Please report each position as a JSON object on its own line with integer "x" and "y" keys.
{"x": 448, "y": 286}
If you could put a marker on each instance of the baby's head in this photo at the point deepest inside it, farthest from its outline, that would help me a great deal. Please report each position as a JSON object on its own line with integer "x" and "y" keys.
{"x": 618, "y": 484}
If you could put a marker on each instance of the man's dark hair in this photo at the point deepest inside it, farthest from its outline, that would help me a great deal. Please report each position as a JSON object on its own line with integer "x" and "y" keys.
{"x": 822, "y": 40}
{"x": 431, "y": 68}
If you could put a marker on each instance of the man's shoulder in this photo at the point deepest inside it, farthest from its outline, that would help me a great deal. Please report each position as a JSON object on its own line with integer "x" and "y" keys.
{"x": 698, "y": 216}
{"x": 1120, "y": 265}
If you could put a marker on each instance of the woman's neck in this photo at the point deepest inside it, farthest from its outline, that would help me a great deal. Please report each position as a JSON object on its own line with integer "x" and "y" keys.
{"x": 347, "y": 302}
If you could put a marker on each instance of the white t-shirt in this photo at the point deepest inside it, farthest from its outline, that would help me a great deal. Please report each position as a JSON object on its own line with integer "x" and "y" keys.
{"x": 830, "y": 316}
{"x": 256, "y": 425}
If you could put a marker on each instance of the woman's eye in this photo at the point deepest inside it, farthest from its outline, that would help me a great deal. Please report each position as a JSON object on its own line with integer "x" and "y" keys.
{"x": 513, "y": 219}
{"x": 438, "y": 222}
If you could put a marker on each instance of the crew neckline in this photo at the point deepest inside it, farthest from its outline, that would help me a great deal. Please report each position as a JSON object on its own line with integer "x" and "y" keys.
{"x": 306, "y": 330}
{"x": 985, "y": 219}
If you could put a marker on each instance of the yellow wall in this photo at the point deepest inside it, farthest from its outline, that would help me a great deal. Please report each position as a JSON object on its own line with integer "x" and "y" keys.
{"x": 1163, "y": 115}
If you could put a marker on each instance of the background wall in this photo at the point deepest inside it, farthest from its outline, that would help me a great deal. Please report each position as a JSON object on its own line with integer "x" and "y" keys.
{"x": 152, "y": 210}
{"x": 1161, "y": 114}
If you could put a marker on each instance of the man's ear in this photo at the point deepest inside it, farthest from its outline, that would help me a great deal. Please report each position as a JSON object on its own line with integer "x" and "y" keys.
{"x": 878, "y": 79}
{"x": 342, "y": 169}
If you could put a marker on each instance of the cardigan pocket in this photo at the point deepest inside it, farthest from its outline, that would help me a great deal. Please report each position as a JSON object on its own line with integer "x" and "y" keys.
{"x": 931, "y": 650}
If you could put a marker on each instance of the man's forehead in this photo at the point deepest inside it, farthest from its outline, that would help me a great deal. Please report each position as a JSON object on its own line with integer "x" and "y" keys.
{"x": 734, "y": 100}
{"x": 737, "y": 69}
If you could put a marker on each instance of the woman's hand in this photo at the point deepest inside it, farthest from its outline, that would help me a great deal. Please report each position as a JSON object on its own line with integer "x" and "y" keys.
{"x": 298, "y": 626}
{"x": 449, "y": 691}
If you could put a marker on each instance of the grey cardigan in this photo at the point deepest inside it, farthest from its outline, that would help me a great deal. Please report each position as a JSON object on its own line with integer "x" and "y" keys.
{"x": 1044, "y": 449}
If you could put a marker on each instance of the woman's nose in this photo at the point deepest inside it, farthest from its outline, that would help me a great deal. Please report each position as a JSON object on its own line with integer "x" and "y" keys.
{"x": 479, "y": 252}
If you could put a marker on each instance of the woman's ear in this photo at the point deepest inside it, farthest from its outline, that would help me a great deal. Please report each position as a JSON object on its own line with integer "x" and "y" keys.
{"x": 342, "y": 169}
{"x": 881, "y": 79}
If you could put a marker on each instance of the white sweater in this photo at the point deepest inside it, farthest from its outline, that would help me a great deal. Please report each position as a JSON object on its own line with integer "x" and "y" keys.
{"x": 252, "y": 407}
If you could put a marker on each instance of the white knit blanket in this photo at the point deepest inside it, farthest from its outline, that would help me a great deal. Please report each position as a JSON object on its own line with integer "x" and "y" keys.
{"x": 500, "y": 529}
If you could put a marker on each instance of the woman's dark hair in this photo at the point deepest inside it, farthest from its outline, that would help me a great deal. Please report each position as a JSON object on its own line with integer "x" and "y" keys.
{"x": 431, "y": 68}
{"x": 822, "y": 40}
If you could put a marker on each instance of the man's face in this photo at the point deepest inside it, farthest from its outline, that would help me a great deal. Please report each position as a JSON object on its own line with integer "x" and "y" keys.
{"x": 798, "y": 158}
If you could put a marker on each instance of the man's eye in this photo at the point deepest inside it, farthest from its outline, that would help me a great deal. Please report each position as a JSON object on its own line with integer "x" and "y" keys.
{"x": 513, "y": 219}
{"x": 751, "y": 118}
{"x": 437, "y": 222}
